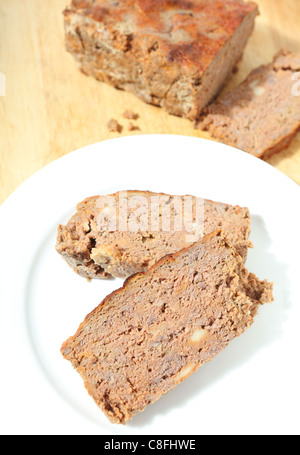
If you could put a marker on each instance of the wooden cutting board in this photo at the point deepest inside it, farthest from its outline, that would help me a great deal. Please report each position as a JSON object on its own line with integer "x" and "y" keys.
{"x": 51, "y": 108}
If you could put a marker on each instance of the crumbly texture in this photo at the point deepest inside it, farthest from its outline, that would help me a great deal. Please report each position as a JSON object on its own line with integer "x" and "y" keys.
{"x": 176, "y": 54}
{"x": 261, "y": 116}
{"x": 95, "y": 248}
{"x": 147, "y": 337}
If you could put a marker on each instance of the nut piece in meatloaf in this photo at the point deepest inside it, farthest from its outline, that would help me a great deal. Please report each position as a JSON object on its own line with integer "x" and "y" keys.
{"x": 176, "y": 54}
{"x": 262, "y": 115}
{"x": 97, "y": 243}
{"x": 147, "y": 337}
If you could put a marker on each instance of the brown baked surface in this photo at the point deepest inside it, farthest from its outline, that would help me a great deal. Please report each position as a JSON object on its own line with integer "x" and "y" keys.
{"x": 262, "y": 115}
{"x": 164, "y": 324}
{"x": 176, "y": 54}
{"x": 94, "y": 250}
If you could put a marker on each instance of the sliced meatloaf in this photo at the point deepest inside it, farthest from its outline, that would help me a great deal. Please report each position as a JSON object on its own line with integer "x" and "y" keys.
{"x": 176, "y": 54}
{"x": 162, "y": 325}
{"x": 129, "y": 231}
{"x": 261, "y": 116}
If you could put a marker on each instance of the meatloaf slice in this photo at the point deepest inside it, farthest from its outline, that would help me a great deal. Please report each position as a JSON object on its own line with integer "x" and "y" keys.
{"x": 129, "y": 231}
{"x": 164, "y": 324}
{"x": 176, "y": 54}
{"x": 261, "y": 116}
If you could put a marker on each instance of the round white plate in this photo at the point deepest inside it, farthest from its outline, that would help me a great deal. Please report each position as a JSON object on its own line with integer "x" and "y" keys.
{"x": 250, "y": 388}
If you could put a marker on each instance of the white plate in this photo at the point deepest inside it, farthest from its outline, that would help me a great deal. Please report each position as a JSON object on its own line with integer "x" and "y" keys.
{"x": 250, "y": 388}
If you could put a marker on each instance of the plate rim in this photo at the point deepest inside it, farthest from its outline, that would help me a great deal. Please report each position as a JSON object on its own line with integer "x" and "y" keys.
{"x": 220, "y": 145}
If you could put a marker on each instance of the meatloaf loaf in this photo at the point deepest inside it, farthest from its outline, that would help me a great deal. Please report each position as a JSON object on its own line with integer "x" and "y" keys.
{"x": 164, "y": 324}
{"x": 261, "y": 116}
{"x": 129, "y": 231}
{"x": 176, "y": 54}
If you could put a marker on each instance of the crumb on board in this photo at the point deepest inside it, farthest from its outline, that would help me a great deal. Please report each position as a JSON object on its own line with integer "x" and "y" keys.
{"x": 132, "y": 127}
{"x": 114, "y": 127}
{"x": 130, "y": 115}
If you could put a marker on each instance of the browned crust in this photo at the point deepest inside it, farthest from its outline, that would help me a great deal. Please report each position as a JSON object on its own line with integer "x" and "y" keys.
{"x": 284, "y": 143}
{"x": 200, "y": 48}
{"x": 175, "y": 54}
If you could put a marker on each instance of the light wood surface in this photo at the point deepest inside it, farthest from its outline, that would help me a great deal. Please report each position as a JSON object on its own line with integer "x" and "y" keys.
{"x": 51, "y": 108}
